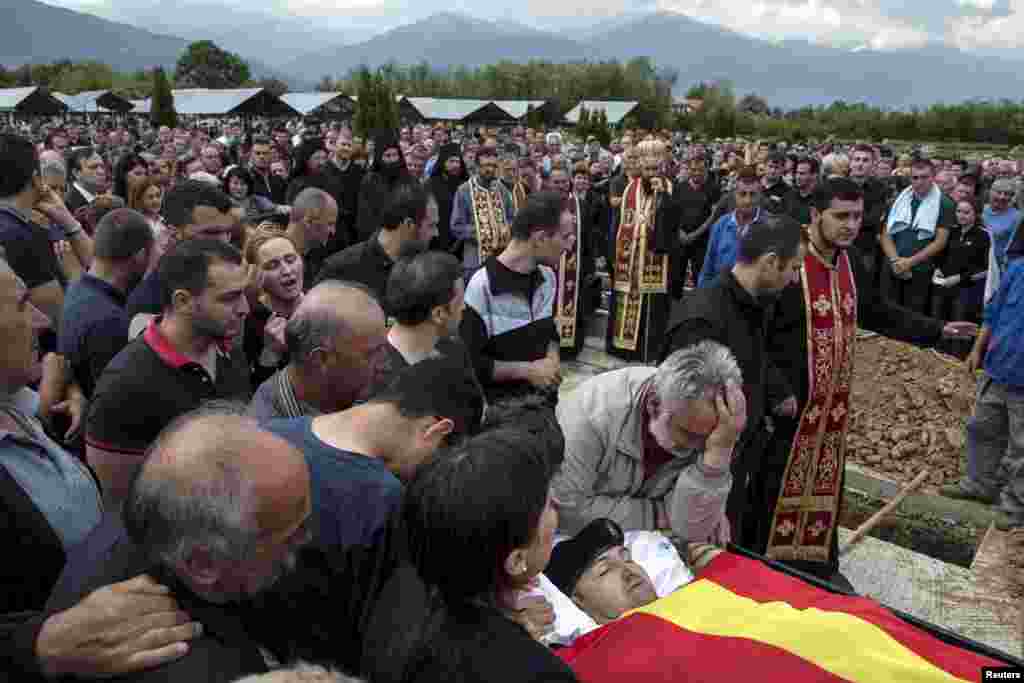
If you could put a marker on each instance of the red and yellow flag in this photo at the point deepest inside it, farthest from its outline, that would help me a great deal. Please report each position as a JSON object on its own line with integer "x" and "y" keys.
{"x": 743, "y": 621}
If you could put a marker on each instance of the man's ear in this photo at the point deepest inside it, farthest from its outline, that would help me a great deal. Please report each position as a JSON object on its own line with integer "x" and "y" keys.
{"x": 181, "y": 299}
{"x": 439, "y": 428}
{"x": 771, "y": 261}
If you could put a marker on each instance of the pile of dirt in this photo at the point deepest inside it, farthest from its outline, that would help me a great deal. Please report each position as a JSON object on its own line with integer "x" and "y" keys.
{"x": 909, "y": 407}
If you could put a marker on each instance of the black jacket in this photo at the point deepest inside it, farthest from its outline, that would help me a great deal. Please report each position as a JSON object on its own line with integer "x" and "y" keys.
{"x": 366, "y": 263}
{"x": 344, "y": 187}
{"x": 726, "y": 313}
{"x": 876, "y": 201}
{"x": 36, "y": 555}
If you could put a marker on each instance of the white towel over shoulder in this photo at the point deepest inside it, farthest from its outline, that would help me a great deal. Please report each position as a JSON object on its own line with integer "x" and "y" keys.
{"x": 926, "y": 218}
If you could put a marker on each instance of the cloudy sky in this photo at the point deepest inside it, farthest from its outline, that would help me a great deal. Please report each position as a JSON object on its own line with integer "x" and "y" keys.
{"x": 987, "y": 26}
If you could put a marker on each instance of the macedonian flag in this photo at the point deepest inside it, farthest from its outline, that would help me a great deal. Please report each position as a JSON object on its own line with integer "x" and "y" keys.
{"x": 743, "y": 621}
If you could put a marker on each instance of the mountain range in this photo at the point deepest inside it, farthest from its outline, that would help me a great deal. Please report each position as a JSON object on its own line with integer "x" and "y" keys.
{"x": 786, "y": 73}
{"x": 33, "y": 32}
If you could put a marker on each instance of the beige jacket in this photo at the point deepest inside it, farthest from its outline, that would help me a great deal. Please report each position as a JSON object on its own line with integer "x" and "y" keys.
{"x": 603, "y": 472}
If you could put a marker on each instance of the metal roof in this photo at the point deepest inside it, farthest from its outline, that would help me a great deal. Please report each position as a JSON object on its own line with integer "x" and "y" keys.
{"x": 33, "y": 100}
{"x": 517, "y": 108}
{"x": 200, "y": 101}
{"x": 306, "y": 102}
{"x": 613, "y": 109}
{"x": 10, "y": 98}
{"x": 95, "y": 102}
{"x": 437, "y": 109}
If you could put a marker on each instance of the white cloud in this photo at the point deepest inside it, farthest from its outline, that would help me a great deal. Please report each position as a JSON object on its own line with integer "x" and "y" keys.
{"x": 820, "y": 21}
{"x": 988, "y": 32}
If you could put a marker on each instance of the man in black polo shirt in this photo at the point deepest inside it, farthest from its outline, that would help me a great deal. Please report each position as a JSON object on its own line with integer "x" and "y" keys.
{"x": 410, "y": 222}
{"x": 696, "y": 199}
{"x": 191, "y": 209}
{"x": 805, "y": 179}
{"x": 508, "y": 322}
{"x": 181, "y": 360}
{"x": 96, "y": 323}
{"x": 862, "y": 161}
{"x": 776, "y": 191}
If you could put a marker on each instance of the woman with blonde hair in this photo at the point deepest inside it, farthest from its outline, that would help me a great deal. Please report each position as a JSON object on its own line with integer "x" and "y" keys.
{"x": 277, "y": 275}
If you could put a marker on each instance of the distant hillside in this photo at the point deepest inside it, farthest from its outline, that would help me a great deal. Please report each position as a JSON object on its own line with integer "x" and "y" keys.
{"x": 442, "y": 40}
{"x": 32, "y": 32}
{"x": 796, "y": 73}
{"x": 243, "y": 30}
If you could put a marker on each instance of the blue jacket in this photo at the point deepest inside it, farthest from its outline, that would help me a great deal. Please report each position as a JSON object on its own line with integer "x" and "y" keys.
{"x": 1004, "y": 315}
{"x": 722, "y": 248}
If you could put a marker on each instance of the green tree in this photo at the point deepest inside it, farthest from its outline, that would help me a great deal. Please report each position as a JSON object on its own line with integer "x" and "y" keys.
{"x": 753, "y": 104}
{"x": 366, "y": 105}
{"x": 204, "y": 65}
{"x": 161, "y": 105}
{"x": 386, "y": 114}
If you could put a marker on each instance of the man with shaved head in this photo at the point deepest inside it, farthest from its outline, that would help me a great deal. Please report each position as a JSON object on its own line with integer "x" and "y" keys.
{"x": 332, "y": 337}
{"x": 218, "y": 514}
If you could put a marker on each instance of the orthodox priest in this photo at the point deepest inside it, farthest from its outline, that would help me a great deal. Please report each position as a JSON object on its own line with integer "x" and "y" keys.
{"x": 481, "y": 214}
{"x": 575, "y": 273}
{"x": 639, "y": 307}
{"x": 795, "y": 496}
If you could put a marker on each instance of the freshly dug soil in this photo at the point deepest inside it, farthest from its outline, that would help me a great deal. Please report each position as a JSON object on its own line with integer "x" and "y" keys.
{"x": 908, "y": 411}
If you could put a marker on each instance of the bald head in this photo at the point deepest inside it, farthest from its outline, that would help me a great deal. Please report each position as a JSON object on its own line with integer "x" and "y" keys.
{"x": 333, "y": 337}
{"x": 311, "y": 199}
{"x": 333, "y": 312}
{"x": 212, "y": 487}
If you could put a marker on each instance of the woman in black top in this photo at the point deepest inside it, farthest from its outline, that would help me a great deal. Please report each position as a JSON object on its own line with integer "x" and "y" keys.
{"x": 959, "y": 284}
{"x": 278, "y": 270}
{"x": 480, "y": 524}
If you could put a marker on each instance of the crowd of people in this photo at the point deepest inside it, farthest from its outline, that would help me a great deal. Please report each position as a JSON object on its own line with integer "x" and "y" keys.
{"x": 293, "y": 395}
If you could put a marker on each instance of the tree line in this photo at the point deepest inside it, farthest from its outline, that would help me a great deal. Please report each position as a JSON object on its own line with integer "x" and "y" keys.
{"x": 722, "y": 114}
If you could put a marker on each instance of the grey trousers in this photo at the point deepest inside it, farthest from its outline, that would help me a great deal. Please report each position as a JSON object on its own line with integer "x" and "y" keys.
{"x": 995, "y": 445}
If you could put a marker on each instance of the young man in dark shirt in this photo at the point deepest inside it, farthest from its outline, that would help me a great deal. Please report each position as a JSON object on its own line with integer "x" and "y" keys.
{"x": 409, "y": 222}
{"x": 96, "y": 323}
{"x": 359, "y": 458}
{"x": 426, "y": 299}
{"x": 183, "y": 359}
{"x": 696, "y": 199}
